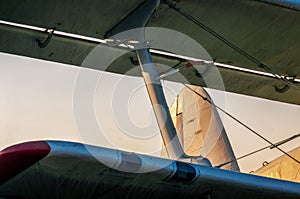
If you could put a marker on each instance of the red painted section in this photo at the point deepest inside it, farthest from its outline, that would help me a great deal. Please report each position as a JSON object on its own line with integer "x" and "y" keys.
{"x": 17, "y": 158}
{"x": 193, "y": 63}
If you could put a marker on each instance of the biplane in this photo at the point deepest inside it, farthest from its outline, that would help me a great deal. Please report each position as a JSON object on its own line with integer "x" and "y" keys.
{"x": 241, "y": 46}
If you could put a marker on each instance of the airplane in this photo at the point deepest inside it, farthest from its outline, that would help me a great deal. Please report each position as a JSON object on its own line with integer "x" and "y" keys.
{"x": 63, "y": 169}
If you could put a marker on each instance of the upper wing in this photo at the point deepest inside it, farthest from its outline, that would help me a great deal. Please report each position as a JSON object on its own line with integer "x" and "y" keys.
{"x": 264, "y": 29}
{"x": 73, "y": 170}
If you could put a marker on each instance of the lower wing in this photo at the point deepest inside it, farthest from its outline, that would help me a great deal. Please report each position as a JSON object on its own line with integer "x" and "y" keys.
{"x": 56, "y": 169}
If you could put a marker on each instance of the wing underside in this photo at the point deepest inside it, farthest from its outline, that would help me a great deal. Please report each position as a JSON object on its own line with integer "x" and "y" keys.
{"x": 264, "y": 29}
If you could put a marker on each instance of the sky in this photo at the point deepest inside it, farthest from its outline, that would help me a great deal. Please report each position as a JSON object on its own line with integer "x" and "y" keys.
{"x": 45, "y": 100}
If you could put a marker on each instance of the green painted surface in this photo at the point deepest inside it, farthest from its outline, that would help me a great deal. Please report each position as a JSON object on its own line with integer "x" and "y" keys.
{"x": 268, "y": 32}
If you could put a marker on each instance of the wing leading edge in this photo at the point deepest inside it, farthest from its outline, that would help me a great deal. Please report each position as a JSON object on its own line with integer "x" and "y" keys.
{"x": 77, "y": 170}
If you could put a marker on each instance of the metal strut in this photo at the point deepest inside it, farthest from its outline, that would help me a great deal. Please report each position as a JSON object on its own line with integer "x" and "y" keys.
{"x": 161, "y": 110}
{"x": 159, "y": 104}
{"x": 132, "y": 27}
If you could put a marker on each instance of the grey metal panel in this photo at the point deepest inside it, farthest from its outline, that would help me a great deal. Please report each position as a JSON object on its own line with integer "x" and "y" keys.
{"x": 72, "y": 171}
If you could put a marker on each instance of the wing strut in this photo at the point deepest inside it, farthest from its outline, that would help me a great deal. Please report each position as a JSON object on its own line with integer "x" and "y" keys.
{"x": 132, "y": 28}
{"x": 159, "y": 104}
{"x": 161, "y": 109}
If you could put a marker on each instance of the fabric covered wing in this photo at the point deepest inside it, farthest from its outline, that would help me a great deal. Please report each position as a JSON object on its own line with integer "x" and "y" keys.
{"x": 264, "y": 29}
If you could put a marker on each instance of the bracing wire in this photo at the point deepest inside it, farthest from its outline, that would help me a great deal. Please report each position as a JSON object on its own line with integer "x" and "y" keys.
{"x": 246, "y": 55}
{"x": 259, "y": 150}
{"x": 230, "y": 44}
{"x": 241, "y": 123}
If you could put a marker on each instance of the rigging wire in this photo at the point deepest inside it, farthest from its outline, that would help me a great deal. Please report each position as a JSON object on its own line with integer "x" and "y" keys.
{"x": 258, "y": 150}
{"x": 241, "y": 123}
{"x": 230, "y": 44}
{"x": 241, "y": 157}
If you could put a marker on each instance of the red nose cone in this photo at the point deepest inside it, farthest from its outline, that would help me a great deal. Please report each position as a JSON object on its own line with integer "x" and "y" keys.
{"x": 17, "y": 158}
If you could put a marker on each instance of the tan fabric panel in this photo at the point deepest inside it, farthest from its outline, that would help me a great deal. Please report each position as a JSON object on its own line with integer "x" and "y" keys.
{"x": 283, "y": 167}
{"x": 201, "y": 129}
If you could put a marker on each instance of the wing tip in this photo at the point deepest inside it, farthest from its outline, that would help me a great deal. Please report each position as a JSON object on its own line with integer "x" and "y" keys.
{"x": 17, "y": 158}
